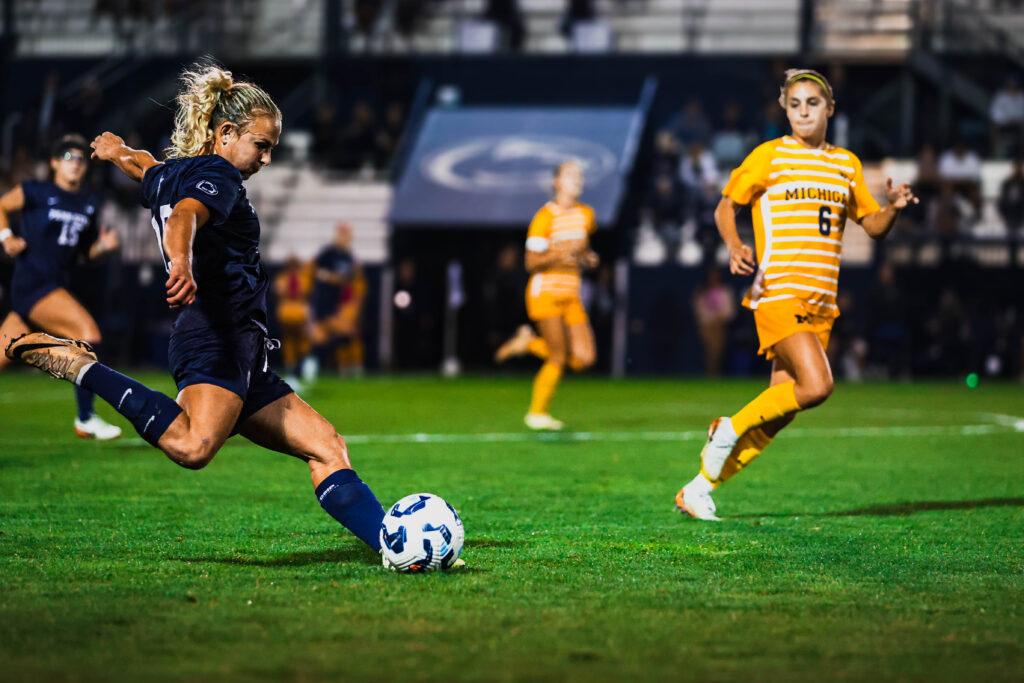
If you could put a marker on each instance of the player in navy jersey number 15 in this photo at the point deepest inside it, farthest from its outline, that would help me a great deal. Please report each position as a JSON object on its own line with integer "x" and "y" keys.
{"x": 58, "y": 225}
{"x": 209, "y": 235}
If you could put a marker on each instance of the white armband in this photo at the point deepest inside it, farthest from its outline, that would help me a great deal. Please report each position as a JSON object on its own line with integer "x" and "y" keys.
{"x": 538, "y": 244}
{"x": 5, "y": 233}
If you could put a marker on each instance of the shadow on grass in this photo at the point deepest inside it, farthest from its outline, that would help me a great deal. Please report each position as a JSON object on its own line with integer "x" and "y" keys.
{"x": 904, "y": 509}
{"x": 300, "y": 559}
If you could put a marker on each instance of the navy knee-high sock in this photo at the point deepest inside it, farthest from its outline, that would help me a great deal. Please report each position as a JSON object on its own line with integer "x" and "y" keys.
{"x": 346, "y": 498}
{"x": 150, "y": 412}
{"x": 84, "y": 398}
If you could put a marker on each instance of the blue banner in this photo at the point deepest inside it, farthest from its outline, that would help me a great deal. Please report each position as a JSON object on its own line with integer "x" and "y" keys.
{"x": 491, "y": 166}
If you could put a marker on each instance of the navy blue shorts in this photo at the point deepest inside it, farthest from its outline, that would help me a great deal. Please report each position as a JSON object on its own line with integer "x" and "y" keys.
{"x": 26, "y": 294}
{"x": 231, "y": 357}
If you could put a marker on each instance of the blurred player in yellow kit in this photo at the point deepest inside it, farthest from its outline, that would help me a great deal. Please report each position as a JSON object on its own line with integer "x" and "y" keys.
{"x": 293, "y": 286}
{"x": 803, "y": 189}
{"x": 557, "y": 247}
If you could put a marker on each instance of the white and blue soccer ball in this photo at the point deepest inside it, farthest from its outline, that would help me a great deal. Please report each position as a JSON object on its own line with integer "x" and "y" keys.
{"x": 421, "y": 533}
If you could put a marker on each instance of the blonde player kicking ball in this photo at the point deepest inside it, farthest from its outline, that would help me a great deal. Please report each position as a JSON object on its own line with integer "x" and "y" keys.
{"x": 802, "y": 189}
{"x": 557, "y": 247}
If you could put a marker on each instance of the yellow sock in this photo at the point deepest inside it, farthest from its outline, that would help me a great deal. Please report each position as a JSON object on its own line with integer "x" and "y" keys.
{"x": 773, "y": 403}
{"x": 538, "y": 347}
{"x": 743, "y": 453}
{"x": 544, "y": 387}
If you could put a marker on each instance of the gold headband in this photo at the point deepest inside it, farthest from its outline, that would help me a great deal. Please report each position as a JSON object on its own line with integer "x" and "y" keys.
{"x": 819, "y": 81}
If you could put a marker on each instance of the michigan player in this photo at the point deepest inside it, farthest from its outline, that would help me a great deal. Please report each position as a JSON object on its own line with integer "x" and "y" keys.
{"x": 58, "y": 225}
{"x": 803, "y": 189}
{"x": 557, "y": 247}
{"x": 209, "y": 234}
{"x": 292, "y": 286}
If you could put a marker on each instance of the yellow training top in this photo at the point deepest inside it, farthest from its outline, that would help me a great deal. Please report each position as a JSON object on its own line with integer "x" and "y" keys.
{"x": 801, "y": 199}
{"x": 551, "y": 225}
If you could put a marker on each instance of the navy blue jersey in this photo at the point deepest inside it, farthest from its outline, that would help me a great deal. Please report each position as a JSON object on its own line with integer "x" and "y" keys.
{"x": 57, "y": 226}
{"x": 327, "y": 296}
{"x": 232, "y": 284}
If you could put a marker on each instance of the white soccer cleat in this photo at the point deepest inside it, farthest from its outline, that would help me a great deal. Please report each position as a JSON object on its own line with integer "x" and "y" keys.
{"x": 542, "y": 422}
{"x": 721, "y": 440}
{"x": 96, "y": 428}
{"x": 695, "y": 500}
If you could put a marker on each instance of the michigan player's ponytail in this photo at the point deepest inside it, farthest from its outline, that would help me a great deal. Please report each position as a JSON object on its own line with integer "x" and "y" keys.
{"x": 209, "y": 97}
{"x": 796, "y": 75}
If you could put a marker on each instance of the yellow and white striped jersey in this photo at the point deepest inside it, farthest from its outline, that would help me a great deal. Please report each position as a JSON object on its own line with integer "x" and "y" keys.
{"x": 551, "y": 225}
{"x": 801, "y": 199}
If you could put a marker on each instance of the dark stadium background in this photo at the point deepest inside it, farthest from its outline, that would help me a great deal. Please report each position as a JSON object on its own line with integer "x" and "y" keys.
{"x": 956, "y": 311}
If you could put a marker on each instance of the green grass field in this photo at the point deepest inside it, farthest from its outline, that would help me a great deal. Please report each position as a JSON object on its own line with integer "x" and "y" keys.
{"x": 881, "y": 537}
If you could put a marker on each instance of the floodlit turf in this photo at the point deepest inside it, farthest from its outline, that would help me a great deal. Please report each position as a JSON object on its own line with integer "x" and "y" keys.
{"x": 847, "y": 552}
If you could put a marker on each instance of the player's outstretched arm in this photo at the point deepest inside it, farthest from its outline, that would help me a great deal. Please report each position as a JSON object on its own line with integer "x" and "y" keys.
{"x": 741, "y": 256}
{"x": 13, "y": 200}
{"x": 107, "y": 241}
{"x": 878, "y": 224}
{"x": 133, "y": 162}
{"x": 188, "y": 216}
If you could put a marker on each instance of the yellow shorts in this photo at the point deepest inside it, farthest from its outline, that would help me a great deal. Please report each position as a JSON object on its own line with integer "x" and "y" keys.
{"x": 568, "y": 308}
{"x": 780, "y": 319}
{"x": 292, "y": 313}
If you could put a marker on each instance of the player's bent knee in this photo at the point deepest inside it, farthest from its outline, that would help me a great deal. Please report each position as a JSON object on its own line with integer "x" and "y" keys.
{"x": 332, "y": 454}
{"x": 817, "y": 392}
{"x": 194, "y": 455}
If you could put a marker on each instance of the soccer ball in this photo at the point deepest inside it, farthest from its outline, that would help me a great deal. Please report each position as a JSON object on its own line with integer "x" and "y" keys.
{"x": 421, "y": 533}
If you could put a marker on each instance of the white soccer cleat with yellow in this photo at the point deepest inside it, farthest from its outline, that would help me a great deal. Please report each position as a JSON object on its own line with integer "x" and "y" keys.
{"x": 722, "y": 439}
{"x": 695, "y": 500}
{"x": 96, "y": 428}
{"x": 542, "y": 422}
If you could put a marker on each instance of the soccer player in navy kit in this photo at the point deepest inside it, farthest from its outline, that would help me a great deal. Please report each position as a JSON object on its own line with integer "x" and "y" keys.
{"x": 58, "y": 225}
{"x": 209, "y": 234}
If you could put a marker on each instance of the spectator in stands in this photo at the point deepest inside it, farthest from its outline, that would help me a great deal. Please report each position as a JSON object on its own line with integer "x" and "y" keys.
{"x": 946, "y": 332}
{"x": 847, "y": 347}
{"x": 927, "y": 184}
{"x": 576, "y": 10}
{"x": 699, "y": 174}
{"x": 690, "y": 124}
{"x": 48, "y": 120}
{"x": 713, "y": 307}
{"x": 390, "y": 133}
{"x": 960, "y": 168}
{"x": 1011, "y": 199}
{"x": 366, "y": 22}
{"x": 664, "y": 209}
{"x": 1006, "y": 119}
{"x": 888, "y": 331}
{"x": 324, "y": 135}
{"x": 505, "y": 13}
{"x": 87, "y": 106}
{"x": 666, "y": 154}
{"x": 839, "y": 127}
{"x": 415, "y": 322}
{"x": 358, "y": 143}
{"x": 730, "y": 143}
{"x": 503, "y": 296}
{"x": 772, "y": 121}
{"x": 408, "y": 17}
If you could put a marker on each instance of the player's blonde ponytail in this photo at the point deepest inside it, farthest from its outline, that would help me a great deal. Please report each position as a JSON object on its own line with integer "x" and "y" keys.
{"x": 794, "y": 75}
{"x": 209, "y": 97}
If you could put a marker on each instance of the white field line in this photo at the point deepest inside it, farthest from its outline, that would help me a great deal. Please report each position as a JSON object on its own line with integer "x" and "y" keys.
{"x": 1017, "y": 425}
